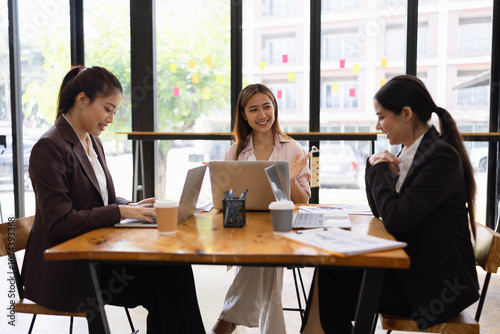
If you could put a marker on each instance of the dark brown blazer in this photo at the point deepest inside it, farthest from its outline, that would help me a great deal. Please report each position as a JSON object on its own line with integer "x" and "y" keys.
{"x": 68, "y": 204}
{"x": 429, "y": 213}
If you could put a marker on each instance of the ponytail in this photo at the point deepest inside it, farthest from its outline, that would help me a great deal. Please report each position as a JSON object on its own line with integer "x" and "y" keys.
{"x": 450, "y": 133}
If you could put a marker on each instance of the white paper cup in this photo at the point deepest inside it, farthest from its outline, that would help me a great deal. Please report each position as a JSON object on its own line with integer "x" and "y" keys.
{"x": 166, "y": 216}
{"x": 282, "y": 215}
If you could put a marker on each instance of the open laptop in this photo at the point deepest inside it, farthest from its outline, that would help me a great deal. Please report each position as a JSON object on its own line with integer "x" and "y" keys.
{"x": 187, "y": 202}
{"x": 242, "y": 175}
{"x": 302, "y": 219}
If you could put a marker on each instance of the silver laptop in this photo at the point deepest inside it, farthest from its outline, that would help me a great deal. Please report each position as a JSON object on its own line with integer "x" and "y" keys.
{"x": 301, "y": 219}
{"x": 187, "y": 202}
{"x": 242, "y": 175}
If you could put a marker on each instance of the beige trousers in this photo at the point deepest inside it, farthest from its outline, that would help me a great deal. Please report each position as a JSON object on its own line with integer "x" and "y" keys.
{"x": 254, "y": 295}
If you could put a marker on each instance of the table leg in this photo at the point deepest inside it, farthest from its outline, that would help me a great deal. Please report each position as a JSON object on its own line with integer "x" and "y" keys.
{"x": 93, "y": 304}
{"x": 368, "y": 300}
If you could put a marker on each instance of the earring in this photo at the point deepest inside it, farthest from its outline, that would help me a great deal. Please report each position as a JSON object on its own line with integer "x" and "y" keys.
{"x": 81, "y": 106}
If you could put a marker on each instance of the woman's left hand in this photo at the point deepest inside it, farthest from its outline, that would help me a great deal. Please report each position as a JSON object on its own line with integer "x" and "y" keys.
{"x": 297, "y": 165}
{"x": 147, "y": 202}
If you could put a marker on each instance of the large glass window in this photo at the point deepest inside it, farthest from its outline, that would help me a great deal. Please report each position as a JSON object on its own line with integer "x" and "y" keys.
{"x": 45, "y": 57}
{"x": 363, "y": 45}
{"x": 455, "y": 69}
{"x": 6, "y": 182}
{"x": 276, "y": 54}
{"x": 193, "y": 71}
{"x": 107, "y": 44}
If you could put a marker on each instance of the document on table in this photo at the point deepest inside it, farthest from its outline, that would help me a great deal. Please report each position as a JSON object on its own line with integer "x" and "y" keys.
{"x": 332, "y": 211}
{"x": 341, "y": 242}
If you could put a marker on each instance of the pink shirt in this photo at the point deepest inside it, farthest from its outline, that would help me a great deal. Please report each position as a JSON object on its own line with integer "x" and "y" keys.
{"x": 285, "y": 149}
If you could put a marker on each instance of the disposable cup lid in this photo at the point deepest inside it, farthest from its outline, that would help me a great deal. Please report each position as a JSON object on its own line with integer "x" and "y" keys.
{"x": 282, "y": 205}
{"x": 166, "y": 203}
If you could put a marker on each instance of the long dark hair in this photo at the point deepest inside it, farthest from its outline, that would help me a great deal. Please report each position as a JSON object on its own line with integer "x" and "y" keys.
{"x": 241, "y": 127}
{"x": 408, "y": 90}
{"x": 94, "y": 81}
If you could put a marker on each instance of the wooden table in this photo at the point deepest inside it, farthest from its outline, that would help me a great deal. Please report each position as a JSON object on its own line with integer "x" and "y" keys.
{"x": 202, "y": 239}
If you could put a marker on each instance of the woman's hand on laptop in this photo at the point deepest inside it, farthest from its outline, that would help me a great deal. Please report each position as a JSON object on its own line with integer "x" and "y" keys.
{"x": 142, "y": 210}
{"x": 147, "y": 202}
{"x": 297, "y": 165}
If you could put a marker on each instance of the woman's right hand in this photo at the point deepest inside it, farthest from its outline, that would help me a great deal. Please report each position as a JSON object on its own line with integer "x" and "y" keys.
{"x": 388, "y": 157}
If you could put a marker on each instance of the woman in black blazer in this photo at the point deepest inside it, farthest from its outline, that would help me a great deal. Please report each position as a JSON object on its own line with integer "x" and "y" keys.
{"x": 75, "y": 194}
{"x": 426, "y": 198}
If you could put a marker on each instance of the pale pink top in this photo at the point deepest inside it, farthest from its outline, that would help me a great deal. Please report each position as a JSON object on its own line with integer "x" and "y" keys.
{"x": 285, "y": 149}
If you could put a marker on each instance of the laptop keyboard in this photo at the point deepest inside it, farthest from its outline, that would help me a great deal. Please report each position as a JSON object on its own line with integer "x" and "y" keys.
{"x": 308, "y": 220}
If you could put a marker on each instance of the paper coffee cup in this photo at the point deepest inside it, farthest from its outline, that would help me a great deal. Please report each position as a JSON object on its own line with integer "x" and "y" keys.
{"x": 282, "y": 215}
{"x": 166, "y": 216}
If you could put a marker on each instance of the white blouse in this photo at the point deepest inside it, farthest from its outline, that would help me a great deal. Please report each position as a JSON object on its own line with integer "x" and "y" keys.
{"x": 96, "y": 166}
{"x": 406, "y": 159}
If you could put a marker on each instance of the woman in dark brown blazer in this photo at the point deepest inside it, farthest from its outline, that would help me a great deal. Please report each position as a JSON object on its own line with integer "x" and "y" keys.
{"x": 426, "y": 198}
{"x": 75, "y": 194}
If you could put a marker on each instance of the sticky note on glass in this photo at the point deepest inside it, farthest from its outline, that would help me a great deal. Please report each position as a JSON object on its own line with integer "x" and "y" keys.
{"x": 383, "y": 63}
{"x": 262, "y": 65}
{"x": 279, "y": 94}
{"x": 352, "y": 92}
{"x": 218, "y": 79}
{"x": 382, "y": 82}
{"x": 285, "y": 58}
{"x": 335, "y": 87}
{"x": 173, "y": 68}
{"x": 291, "y": 76}
{"x": 196, "y": 78}
{"x": 355, "y": 68}
{"x": 208, "y": 61}
{"x": 191, "y": 64}
{"x": 342, "y": 63}
{"x": 176, "y": 91}
{"x": 206, "y": 94}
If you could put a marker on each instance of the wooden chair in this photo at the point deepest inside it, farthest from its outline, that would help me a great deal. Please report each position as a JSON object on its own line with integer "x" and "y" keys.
{"x": 13, "y": 238}
{"x": 487, "y": 254}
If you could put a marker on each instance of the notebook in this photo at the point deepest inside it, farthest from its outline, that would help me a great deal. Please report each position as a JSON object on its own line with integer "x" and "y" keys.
{"x": 251, "y": 175}
{"x": 187, "y": 202}
{"x": 302, "y": 219}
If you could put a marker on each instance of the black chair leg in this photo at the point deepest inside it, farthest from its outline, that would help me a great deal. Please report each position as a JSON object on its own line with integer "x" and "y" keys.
{"x": 70, "y": 325}
{"x": 374, "y": 325}
{"x": 32, "y": 324}
{"x": 130, "y": 322}
{"x": 483, "y": 296}
{"x": 302, "y": 285}
{"x": 301, "y": 310}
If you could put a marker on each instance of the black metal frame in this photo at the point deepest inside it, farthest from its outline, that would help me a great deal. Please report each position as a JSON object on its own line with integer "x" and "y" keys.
{"x": 493, "y": 156}
{"x": 16, "y": 108}
{"x": 144, "y": 86}
{"x": 76, "y": 32}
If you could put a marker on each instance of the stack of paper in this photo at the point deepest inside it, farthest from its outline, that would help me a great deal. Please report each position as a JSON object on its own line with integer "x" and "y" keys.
{"x": 336, "y": 211}
{"x": 342, "y": 242}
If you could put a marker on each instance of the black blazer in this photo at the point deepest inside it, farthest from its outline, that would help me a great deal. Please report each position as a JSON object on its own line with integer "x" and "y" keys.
{"x": 429, "y": 213}
{"x": 68, "y": 204}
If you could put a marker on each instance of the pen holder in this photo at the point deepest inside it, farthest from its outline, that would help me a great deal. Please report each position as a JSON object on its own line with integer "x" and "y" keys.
{"x": 233, "y": 212}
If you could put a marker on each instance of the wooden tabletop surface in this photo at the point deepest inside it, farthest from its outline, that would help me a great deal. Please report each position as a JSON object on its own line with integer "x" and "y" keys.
{"x": 202, "y": 239}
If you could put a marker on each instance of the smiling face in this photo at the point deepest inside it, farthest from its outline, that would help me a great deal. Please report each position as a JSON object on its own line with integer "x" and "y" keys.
{"x": 259, "y": 112}
{"x": 391, "y": 124}
{"x": 97, "y": 115}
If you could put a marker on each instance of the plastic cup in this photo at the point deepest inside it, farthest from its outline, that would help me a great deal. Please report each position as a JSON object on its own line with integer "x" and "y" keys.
{"x": 166, "y": 216}
{"x": 282, "y": 215}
